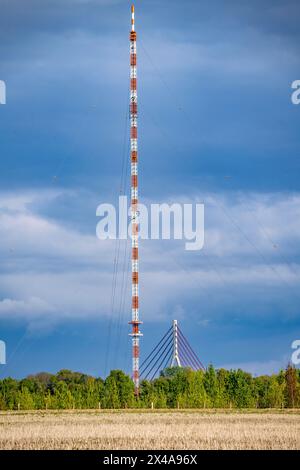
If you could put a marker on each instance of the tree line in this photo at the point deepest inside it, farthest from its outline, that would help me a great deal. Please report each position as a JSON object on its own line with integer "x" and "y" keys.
{"x": 174, "y": 388}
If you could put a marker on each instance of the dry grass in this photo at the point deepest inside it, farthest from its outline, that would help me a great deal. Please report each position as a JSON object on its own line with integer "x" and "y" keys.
{"x": 154, "y": 430}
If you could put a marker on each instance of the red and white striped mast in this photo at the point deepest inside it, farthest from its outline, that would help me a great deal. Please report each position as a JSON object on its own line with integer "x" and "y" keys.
{"x": 135, "y": 322}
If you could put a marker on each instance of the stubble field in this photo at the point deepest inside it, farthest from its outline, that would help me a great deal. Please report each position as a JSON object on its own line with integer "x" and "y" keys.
{"x": 149, "y": 430}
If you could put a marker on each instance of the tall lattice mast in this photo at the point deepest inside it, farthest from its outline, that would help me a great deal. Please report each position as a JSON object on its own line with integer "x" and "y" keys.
{"x": 135, "y": 322}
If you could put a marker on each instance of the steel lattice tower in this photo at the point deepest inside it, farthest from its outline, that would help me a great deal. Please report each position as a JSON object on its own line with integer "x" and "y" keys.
{"x": 135, "y": 322}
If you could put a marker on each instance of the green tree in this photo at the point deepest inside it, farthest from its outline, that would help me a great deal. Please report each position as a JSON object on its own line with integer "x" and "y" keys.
{"x": 161, "y": 390}
{"x": 241, "y": 389}
{"x": 175, "y": 386}
{"x": 211, "y": 386}
{"x": 292, "y": 393}
{"x": 194, "y": 395}
{"x": 147, "y": 394}
{"x": 25, "y": 399}
{"x": 222, "y": 397}
{"x": 111, "y": 396}
{"x": 9, "y": 393}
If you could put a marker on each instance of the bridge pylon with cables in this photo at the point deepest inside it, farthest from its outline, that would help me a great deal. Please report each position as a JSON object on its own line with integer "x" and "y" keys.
{"x": 173, "y": 350}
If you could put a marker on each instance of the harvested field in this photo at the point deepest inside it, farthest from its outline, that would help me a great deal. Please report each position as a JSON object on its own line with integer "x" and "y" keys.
{"x": 149, "y": 430}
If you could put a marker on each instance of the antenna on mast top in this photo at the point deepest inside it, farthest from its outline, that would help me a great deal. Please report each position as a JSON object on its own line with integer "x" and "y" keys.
{"x": 132, "y": 17}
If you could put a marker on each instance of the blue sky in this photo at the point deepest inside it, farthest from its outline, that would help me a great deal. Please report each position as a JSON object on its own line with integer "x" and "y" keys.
{"x": 216, "y": 125}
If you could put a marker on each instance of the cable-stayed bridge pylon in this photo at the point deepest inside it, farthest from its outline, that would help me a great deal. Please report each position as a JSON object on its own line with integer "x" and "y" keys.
{"x": 173, "y": 350}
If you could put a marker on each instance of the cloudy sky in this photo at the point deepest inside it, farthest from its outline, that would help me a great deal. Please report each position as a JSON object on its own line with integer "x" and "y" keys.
{"x": 216, "y": 125}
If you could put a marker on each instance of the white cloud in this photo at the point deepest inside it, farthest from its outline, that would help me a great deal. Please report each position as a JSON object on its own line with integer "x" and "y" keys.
{"x": 34, "y": 306}
{"x": 52, "y": 271}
